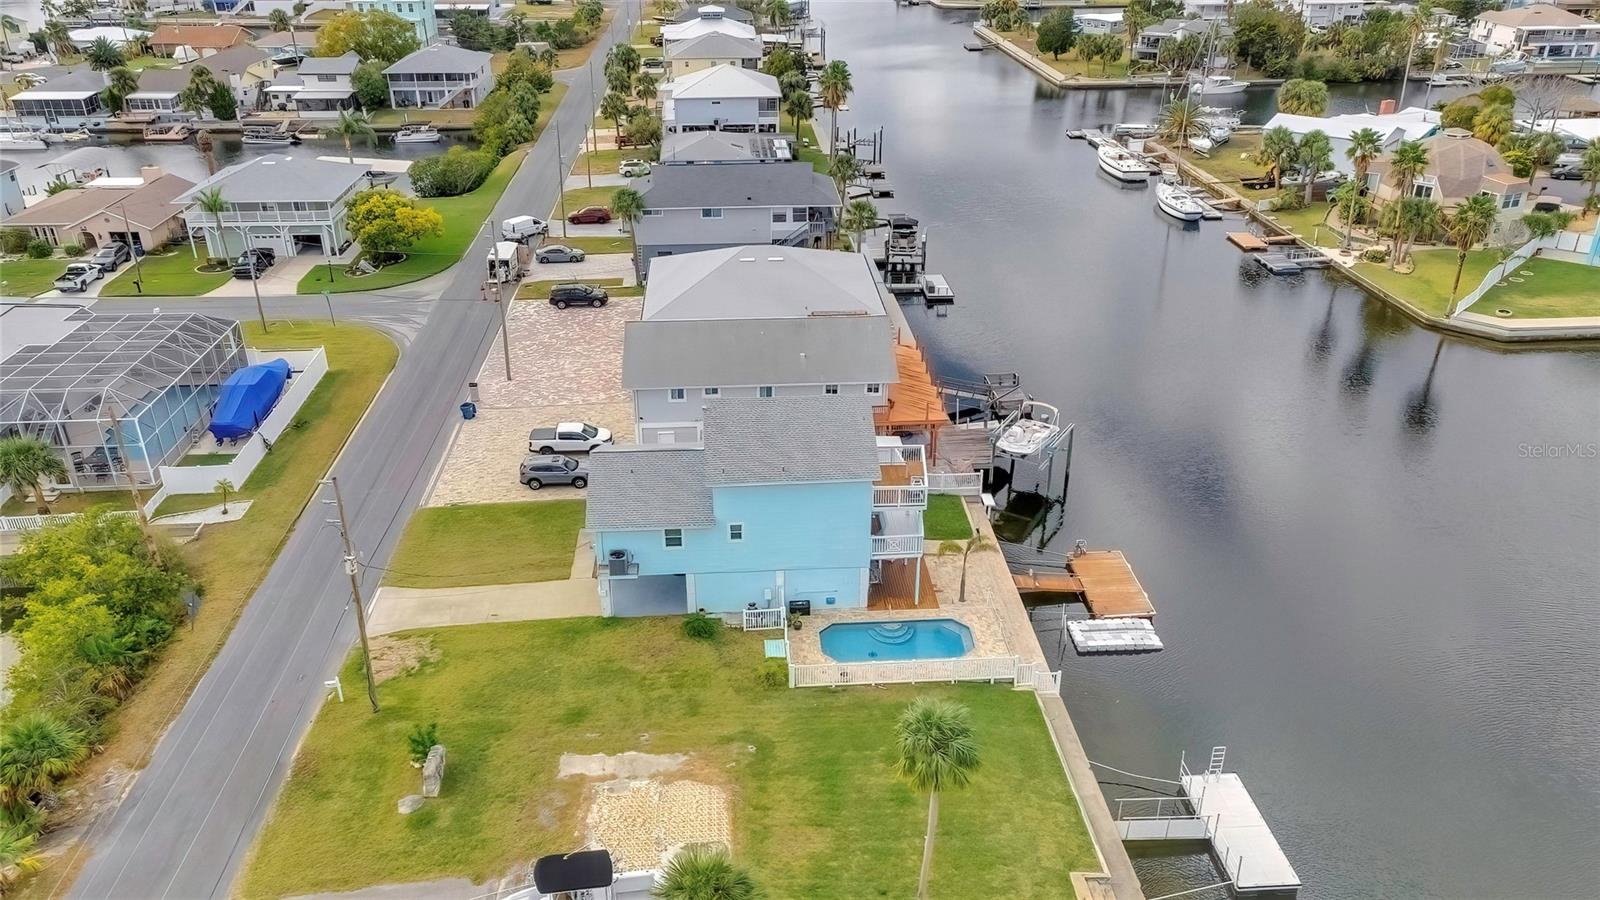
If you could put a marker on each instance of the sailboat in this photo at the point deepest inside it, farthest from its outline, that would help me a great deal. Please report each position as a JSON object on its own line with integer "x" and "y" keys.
{"x": 1178, "y": 203}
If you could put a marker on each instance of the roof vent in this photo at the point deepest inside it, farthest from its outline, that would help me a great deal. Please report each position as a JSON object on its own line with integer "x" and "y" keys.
{"x": 747, "y": 259}
{"x": 1457, "y": 133}
{"x": 774, "y": 259}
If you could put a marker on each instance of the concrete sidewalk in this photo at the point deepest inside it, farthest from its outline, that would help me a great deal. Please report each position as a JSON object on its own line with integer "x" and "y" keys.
{"x": 402, "y": 609}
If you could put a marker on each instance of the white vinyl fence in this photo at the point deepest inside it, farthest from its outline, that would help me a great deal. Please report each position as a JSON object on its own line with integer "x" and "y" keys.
{"x": 966, "y": 484}
{"x": 29, "y": 523}
{"x": 764, "y": 619}
{"x": 1569, "y": 241}
{"x": 912, "y": 671}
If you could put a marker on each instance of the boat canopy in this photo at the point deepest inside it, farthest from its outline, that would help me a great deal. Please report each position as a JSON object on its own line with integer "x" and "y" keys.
{"x": 248, "y": 396}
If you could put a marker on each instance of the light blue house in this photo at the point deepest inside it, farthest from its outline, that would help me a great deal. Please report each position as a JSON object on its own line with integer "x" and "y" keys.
{"x": 788, "y": 499}
{"x": 420, "y": 13}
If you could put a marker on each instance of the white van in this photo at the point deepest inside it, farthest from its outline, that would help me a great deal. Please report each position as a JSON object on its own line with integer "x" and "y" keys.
{"x": 520, "y": 228}
{"x": 504, "y": 262}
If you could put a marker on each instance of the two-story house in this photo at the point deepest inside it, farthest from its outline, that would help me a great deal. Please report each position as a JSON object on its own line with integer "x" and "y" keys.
{"x": 693, "y": 148}
{"x": 711, "y": 49}
{"x": 1147, "y": 47}
{"x": 247, "y": 70}
{"x": 1539, "y": 32}
{"x": 440, "y": 76}
{"x": 788, "y": 501}
{"x": 693, "y": 208}
{"x": 710, "y": 19}
{"x": 1320, "y": 14}
{"x": 290, "y": 204}
{"x": 1459, "y": 166}
{"x": 420, "y": 13}
{"x": 721, "y": 98}
{"x": 320, "y": 87}
{"x": 754, "y": 323}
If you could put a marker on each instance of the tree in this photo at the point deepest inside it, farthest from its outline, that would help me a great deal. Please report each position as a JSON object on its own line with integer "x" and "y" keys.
{"x": 1266, "y": 37}
{"x": 844, "y": 168}
{"x": 1302, "y": 97}
{"x": 352, "y": 125}
{"x": 26, "y": 463}
{"x": 1418, "y": 216}
{"x": 978, "y": 543}
{"x": 17, "y": 855}
{"x": 624, "y": 57}
{"x": 1546, "y": 225}
{"x": 375, "y": 36}
{"x": 780, "y": 62}
{"x": 1492, "y": 123}
{"x": 1409, "y": 159}
{"x": 1589, "y": 165}
{"x": 858, "y": 217}
{"x": 120, "y": 83}
{"x": 627, "y": 204}
{"x": 936, "y": 752}
{"x": 1278, "y": 151}
{"x": 1352, "y": 204}
{"x": 207, "y": 146}
{"x": 644, "y": 129}
{"x": 211, "y": 201}
{"x": 104, "y": 55}
{"x": 224, "y": 487}
{"x": 614, "y": 106}
{"x": 700, "y": 872}
{"x": 1366, "y": 145}
{"x": 58, "y": 38}
{"x": 196, "y": 97}
{"x": 280, "y": 22}
{"x": 1471, "y": 225}
{"x": 645, "y": 88}
{"x": 1003, "y": 15}
{"x": 1181, "y": 54}
{"x": 665, "y": 8}
{"x": 779, "y": 14}
{"x": 223, "y": 105}
{"x": 387, "y": 222}
{"x": 798, "y": 107}
{"x": 1314, "y": 154}
{"x": 36, "y": 751}
{"x": 835, "y": 86}
{"x": 1180, "y": 120}
{"x": 1058, "y": 33}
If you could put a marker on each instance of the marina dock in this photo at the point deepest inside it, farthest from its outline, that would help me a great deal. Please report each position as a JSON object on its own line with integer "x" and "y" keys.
{"x": 1103, "y": 578}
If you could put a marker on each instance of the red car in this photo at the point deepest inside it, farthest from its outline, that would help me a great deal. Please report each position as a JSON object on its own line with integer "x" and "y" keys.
{"x": 590, "y": 215}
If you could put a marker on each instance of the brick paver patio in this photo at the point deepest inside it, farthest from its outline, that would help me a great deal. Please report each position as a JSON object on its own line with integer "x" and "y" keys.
{"x": 559, "y": 356}
{"x": 481, "y": 466}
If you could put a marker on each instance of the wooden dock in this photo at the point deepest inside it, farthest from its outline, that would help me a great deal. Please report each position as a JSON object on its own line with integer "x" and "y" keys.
{"x": 1035, "y": 582}
{"x": 1249, "y": 243}
{"x": 1102, "y": 577}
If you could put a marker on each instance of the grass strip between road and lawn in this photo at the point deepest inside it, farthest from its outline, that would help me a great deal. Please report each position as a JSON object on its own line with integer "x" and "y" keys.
{"x": 946, "y": 519}
{"x": 816, "y": 808}
{"x": 593, "y": 245}
{"x": 229, "y": 560}
{"x": 69, "y": 503}
{"x": 458, "y": 546}
{"x": 166, "y": 275}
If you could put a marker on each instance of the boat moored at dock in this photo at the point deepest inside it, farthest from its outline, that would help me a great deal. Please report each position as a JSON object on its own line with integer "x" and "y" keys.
{"x": 417, "y": 134}
{"x": 1178, "y": 203}
{"x": 1122, "y": 164}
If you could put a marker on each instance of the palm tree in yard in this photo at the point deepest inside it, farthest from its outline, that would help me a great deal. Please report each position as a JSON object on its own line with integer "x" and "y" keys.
{"x": 1366, "y": 145}
{"x": 1589, "y": 165}
{"x": 280, "y": 22}
{"x": 1471, "y": 225}
{"x": 645, "y": 87}
{"x": 835, "y": 86}
{"x": 207, "y": 147}
{"x": 797, "y": 105}
{"x": 224, "y": 487}
{"x": 936, "y": 752}
{"x": 1315, "y": 154}
{"x": 352, "y": 125}
{"x": 17, "y": 855}
{"x": 705, "y": 873}
{"x": 1352, "y": 205}
{"x": 121, "y": 82}
{"x": 627, "y": 204}
{"x": 58, "y": 38}
{"x": 1179, "y": 121}
{"x": 25, "y": 463}
{"x": 104, "y": 55}
{"x": 614, "y": 106}
{"x": 1409, "y": 160}
{"x": 212, "y": 202}
{"x": 36, "y": 751}
{"x": 979, "y": 542}
{"x": 1277, "y": 152}
{"x": 844, "y": 168}
{"x": 1418, "y": 216}
{"x": 858, "y": 217}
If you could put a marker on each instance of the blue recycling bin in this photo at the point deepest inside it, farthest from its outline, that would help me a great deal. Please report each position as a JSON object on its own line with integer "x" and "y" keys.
{"x": 469, "y": 410}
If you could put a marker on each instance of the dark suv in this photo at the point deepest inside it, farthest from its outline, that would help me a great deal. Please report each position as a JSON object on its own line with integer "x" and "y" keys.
{"x": 253, "y": 262}
{"x": 111, "y": 257}
{"x": 565, "y": 295}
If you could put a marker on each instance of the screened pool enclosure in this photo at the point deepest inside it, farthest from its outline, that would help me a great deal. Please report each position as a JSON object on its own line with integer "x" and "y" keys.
{"x": 155, "y": 375}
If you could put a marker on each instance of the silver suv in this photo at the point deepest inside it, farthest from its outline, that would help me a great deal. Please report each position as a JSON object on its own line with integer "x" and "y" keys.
{"x": 538, "y": 471}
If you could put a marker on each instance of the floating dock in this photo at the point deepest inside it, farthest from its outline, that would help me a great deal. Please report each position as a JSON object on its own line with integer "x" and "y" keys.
{"x": 1246, "y": 241}
{"x": 1292, "y": 262}
{"x": 1102, "y": 577}
{"x": 1113, "y": 635}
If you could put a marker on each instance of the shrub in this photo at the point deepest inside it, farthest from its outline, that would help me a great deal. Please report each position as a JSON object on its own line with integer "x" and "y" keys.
{"x": 38, "y": 249}
{"x": 774, "y": 673}
{"x": 421, "y": 740}
{"x": 452, "y": 173}
{"x": 15, "y": 240}
{"x": 1375, "y": 255}
{"x": 72, "y": 249}
{"x": 701, "y": 627}
{"x": 1289, "y": 199}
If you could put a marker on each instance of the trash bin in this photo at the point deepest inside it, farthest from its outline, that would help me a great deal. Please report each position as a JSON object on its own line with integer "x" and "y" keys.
{"x": 800, "y": 607}
{"x": 469, "y": 410}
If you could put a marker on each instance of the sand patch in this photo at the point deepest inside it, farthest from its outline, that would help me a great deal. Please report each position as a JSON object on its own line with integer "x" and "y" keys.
{"x": 392, "y": 657}
{"x": 643, "y": 822}
{"x": 622, "y": 765}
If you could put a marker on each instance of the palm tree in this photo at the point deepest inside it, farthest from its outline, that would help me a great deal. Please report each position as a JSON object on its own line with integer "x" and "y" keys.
{"x": 1492, "y": 123}
{"x": 614, "y": 106}
{"x": 937, "y": 752}
{"x": 779, "y": 15}
{"x": 664, "y": 8}
{"x": 1179, "y": 121}
{"x": 211, "y": 201}
{"x": 104, "y": 55}
{"x": 1366, "y": 145}
{"x": 352, "y": 125}
{"x": 58, "y": 38}
{"x": 1418, "y": 216}
{"x": 198, "y": 92}
{"x": 1314, "y": 154}
{"x": 1352, "y": 205}
{"x": 1278, "y": 151}
{"x": 36, "y": 751}
{"x": 857, "y": 218}
{"x": 798, "y": 106}
{"x": 1409, "y": 160}
{"x": 114, "y": 663}
{"x": 1472, "y": 224}
{"x": 207, "y": 147}
{"x": 701, "y": 872}
{"x": 120, "y": 83}
{"x": 25, "y": 462}
{"x": 645, "y": 87}
{"x": 979, "y": 542}
{"x": 627, "y": 204}
{"x": 224, "y": 487}
{"x": 844, "y": 168}
{"x": 280, "y": 22}
{"x": 835, "y": 87}
{"x": 1589, "y": 164}
{"x": 17, "y": 856}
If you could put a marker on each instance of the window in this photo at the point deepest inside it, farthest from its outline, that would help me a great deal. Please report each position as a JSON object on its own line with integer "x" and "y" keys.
{"x": 830, "y": 389}
{"x": 874, "y": 389}
{"x": 779, "y": 217}
{"x": 1511, "y": 200}
{"x": 675, "y": 395}
{"x": 654, "y": 212}
{"x": 711, "y": 212}
{"x": 710, "y": 392}
{"x": 672, "y": 537}
{"x": 736, "y": 531}
{"x": 764, "y": 392}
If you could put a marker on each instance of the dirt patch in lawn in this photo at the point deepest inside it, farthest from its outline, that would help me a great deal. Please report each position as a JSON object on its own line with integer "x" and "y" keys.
{"x": 643, "y": 822}
{"x": 393, "y": 657}
{"x": 623, "y": 765}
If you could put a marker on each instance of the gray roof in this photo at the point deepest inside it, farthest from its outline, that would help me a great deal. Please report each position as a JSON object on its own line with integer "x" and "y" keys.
{"x": 755, "y": 352}
{"x": 722, "y": 146}
{"x": 276, "y": 178}
{"x": 232, "y": 61}
{"x": 1197, "y": 27}
{"x": 440, "y": 58}
{"x": 330, "y": 65}
{"x": 761, "y": 282}
{"x": 786, "y": 439}
{"x": 779, "y": 184}
{"x": 715, "y": 45}
{"x": 729, "y": 11}
{"x": 648, "y": 487}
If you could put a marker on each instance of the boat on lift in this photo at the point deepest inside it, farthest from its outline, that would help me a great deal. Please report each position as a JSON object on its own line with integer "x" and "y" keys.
{"x": 1031, "y": 430}
{"x": 417, "y": 134}
{"x": 1122, "y": 164}
{"x": 1178, "y": 203}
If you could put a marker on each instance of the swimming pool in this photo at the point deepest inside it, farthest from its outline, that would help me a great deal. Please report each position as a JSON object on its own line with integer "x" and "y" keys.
{"x": 884, "y": 641}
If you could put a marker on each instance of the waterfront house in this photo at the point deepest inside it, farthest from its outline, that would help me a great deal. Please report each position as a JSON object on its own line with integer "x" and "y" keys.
{"x": 1147, "y": 48}
{"x": 440, "y": 76}
{"x": 691, "y": 208}
{"x": 319, "y": 87}
{"x": 141, "y": 212}
{"x": 721, "y": 98}
{"x": 731, "y": 13}
{"x": 1539, "y": 32}
{"x": 196, "y": 41}
{"x": 1459, "y": 166}
{"x": 422, "y": 15}
{"x": 756, "y": 322}
{"x": 72, "y": 100}
{"x": 1321, "y": 14}
{"x": 1410, "y": 124}
{"x": 1208, "y": 10}
{"x": 706, "y": 20}
{"x": 711, "y": 49}
{"x": 11, "y": 201}
{"x": 722, "y": 147}
{"x": 1101, "y": 22}
{"x": 788, "y": 500}
{"x": 245, "y": 69}
{"x": 289, "y": 204}
{"x": 118, "y": 35}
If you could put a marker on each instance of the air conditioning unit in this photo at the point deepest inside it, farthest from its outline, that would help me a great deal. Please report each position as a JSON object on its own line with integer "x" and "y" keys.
{"x": 618, "y": 562}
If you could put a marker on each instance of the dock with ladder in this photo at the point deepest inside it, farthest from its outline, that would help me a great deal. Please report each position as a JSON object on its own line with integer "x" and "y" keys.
{"x": 1214, "y": 807}
{"x": 1103, "y": 578}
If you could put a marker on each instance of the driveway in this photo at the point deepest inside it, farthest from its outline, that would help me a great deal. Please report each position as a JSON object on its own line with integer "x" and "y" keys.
{"x": 481, "y": 466}
{"x": 579, "y": 180}
{"x": 612, "y": 228}
{"x": 598, "y": 265}
{"x": 283, "y": 278}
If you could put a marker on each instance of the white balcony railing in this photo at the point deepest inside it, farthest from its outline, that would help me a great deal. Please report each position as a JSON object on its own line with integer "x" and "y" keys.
{"x": 902, "y": 497}
{"x": 966, "y": 484}
{"x": 276, "y": 216}
{"x": 764, "y": 619}
{"x": 896, "y": 546}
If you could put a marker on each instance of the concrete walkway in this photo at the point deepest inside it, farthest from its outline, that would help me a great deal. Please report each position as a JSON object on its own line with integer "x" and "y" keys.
{"x": 208, "y": 516}
{"x": 443, "y": 889}
{"x": 402, "y": 609}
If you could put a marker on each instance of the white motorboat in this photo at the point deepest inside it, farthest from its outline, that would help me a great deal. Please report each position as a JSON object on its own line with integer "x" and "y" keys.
{"x": 272, "y": 136}
{"x": 21, "y": 139}
{"x": 1217, "y": 84}
{"x": 1029, "y": 430}
{"x": 1178, "y": 203}
{"x": 1202, "y": 144}
{"x": 1122, "y": 165}
{"x": 417, "y": 134}
{"x": 1134, "y": 130}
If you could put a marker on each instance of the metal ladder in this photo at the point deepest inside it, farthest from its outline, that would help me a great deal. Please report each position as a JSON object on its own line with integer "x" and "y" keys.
{"x": 1218, "y": 755}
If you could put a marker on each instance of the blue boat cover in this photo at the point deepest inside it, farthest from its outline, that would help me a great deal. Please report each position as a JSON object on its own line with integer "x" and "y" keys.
{"x": 247, "y": 397}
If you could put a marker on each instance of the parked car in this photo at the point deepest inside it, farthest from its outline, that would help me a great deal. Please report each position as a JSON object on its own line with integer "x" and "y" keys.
{"x": 1569, "y": 172}
{"x": 78, "y": 277}
{"x": 653, "y": 65}
{"x": 520, "y": 228}
{"x": 538, "y": 471}
{"x": 590, "y": 215}
{"x": 554, "y": 253}
{"x": 253, "y": 262}
{"x": 111, "y": 257}
{"x": 565, "y": 295}
{"x": 568, "y": 437}
{"x": 633, "y": 168}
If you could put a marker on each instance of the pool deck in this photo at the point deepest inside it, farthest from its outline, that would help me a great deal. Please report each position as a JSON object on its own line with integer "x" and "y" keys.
{"x": 988, "y": 638}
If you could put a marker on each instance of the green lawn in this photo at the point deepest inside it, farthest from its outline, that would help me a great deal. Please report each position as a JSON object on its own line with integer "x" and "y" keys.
{"x": 167, "y": 275}
{"x": 437, "y": 117}
{"x": 68, "y": 503}
{"x": 206, "y": 459}
{"x": 1547, "y": 288}
{"x": 1069, "y": 64}
{"x": 140, "y": 63}
{"x": 817, "y": 811}
{"x": 540, "y": 290}
{"x": 487, "y": 543}
{"x": 26, "y": 277}
{"x": 595, "y": 245}
{"x": 574, "y": 199}
{"x": 1309, "y": 223}
{"x": 808, "y": 150}
{"x": 946, "y": 519}
{"x": 1230, "y": 163}
{"x": 1427, "y": 287}
{"x": 605, "y": 162}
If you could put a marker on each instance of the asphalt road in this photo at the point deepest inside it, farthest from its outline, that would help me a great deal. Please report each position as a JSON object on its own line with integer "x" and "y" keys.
{"x": 192, "y": 814}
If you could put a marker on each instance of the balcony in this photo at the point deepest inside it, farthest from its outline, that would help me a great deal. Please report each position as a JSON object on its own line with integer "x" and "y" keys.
{"x": 900, "y": 497}
{"x": 267, "y": 216}
{"x": 896, "y": 546}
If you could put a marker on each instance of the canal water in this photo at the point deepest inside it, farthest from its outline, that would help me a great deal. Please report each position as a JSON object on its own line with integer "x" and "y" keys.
{"x": 1375, "y": 551}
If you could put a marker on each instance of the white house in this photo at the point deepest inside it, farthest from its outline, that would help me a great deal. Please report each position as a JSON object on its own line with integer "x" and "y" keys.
{"x": 118, "y": 35}
{"x": 67, "y": 101}
{"x": 440, "y": 76}
{"x": 1207, "y": 10}
{"x": 721, "y": 98}
{"x": 1410, "y": 124}
{"x": 1540, "y": 32}
{"x": 713, "y": 49}
{"x": 1327, "y": 13}
{"x": 320, "y": 87}
{"x": 707, "y": 20}
{"x": 1101, "y": 22}
{"x": 289, "y": 204}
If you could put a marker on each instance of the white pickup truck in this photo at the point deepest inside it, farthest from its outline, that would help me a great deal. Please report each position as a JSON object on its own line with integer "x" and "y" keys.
{"x": 77, "y": 278}
{"x": 568, "y": 437}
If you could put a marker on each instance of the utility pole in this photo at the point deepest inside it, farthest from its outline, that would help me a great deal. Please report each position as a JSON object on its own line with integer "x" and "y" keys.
{"x": 499, "y": 297}
{"x": 133, "y": 488}
{"x": 328, "y": 299}
{"x": 355, "y": 591}
{"x": 588, "y": 158}
{"x": 138, "y": 264}
{"x": 250, "y": 260}
{"x": 561, "y": 178}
